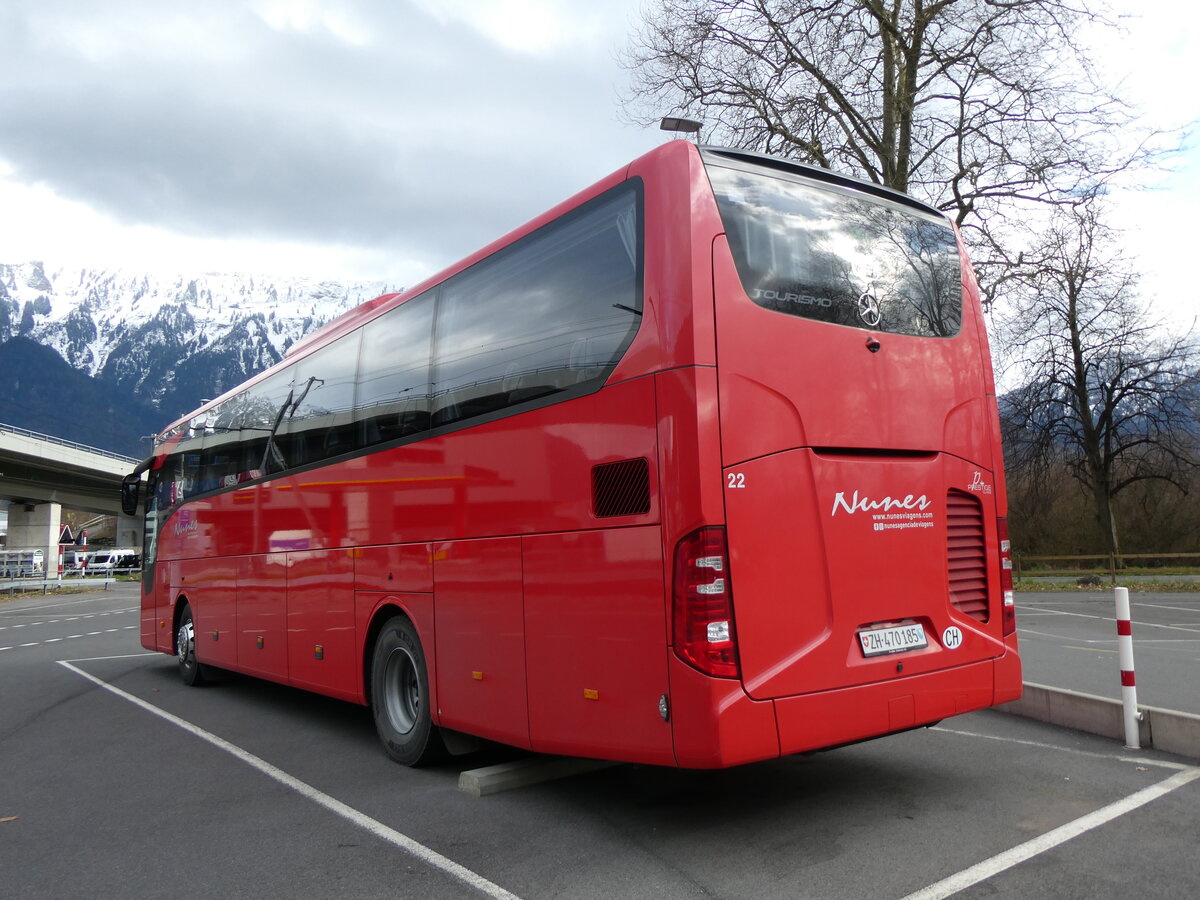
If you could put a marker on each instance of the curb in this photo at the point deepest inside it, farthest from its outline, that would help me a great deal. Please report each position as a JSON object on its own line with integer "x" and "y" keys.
{"x": 525, "y": 772}
{"x": 1163, "y": 729}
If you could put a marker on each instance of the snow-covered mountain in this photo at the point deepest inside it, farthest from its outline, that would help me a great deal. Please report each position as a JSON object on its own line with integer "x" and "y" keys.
{"x": 165, "y": 341}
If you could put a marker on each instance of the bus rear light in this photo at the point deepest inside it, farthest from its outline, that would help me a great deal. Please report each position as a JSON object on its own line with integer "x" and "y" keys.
{"x": 718, "y": 632}
{"x": 1009, "y": 622}
{"x": 702, "y": 614}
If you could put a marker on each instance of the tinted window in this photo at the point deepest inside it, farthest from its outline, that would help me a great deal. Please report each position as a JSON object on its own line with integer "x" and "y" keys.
{"x": 319, "y": 420}
{"x": 838, "y": 255}
{"x": 393, "y": 384}
{"x": 551, "y": 313}
{"x": 256, "y": 412}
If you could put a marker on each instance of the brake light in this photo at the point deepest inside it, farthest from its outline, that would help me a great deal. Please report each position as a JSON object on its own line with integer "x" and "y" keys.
{"x": 702, "y": 614}
{"x": 1009, "y": 621}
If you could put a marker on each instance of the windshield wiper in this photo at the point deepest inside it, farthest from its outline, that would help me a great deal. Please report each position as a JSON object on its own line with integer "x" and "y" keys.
{"x": 272, "y": 453}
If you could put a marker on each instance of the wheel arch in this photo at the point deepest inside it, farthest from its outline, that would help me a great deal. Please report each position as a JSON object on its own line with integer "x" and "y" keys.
{"x": 418, "y": 610}
{"x": 400, "y": 661}
{"x": 181, "y": 602}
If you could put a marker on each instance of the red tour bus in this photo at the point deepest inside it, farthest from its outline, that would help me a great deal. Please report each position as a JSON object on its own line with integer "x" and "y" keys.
{"x": 701, "y": 467}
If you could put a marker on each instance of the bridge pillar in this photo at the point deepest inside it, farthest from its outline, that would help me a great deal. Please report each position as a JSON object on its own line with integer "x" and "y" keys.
{"x": 129, "y": 531}
{"x": 36, "y": 527}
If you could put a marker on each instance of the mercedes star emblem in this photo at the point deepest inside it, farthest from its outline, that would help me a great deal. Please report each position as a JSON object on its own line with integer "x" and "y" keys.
{"x": 868, "y": 310}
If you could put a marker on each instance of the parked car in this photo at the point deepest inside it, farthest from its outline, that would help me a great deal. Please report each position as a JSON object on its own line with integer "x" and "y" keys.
{"x": 101, "y": 561}
{"x": 108, "y": 561}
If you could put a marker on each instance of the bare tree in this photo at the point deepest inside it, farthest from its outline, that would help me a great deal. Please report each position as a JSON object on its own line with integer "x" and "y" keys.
{"x": 977, "y": 106}
{"x": 1104, "y": 390}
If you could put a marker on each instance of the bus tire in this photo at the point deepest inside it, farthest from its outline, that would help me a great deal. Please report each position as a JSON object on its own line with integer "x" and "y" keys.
{"x": 190, "y": 670}
{"x": 400, "y": 696}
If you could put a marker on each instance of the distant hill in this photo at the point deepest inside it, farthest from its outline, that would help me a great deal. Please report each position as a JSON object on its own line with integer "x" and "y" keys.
{"x": 42, "y": 393}
{"x": 129, "y": 352}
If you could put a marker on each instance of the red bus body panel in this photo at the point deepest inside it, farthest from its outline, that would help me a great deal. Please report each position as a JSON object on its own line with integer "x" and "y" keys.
{"x": 479, "y": 632}
{"x": 595, "y": 647}
{"x": 548, "y": 626}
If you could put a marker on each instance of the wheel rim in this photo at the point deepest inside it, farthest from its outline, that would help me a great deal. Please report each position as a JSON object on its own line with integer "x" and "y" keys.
{"x": 185, "y": 642}
{"x": 402, "y": 690}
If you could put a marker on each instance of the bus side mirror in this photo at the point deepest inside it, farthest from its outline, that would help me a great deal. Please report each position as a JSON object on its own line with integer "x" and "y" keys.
{"x": 130, "y": 494}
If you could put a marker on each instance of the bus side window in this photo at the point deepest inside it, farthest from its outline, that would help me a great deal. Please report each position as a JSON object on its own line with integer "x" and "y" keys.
{"x": 392, "y": 396}
{"x": 553, "y": 311}
{"x": 261, "y": 406}
{"x": 319, "y": 423}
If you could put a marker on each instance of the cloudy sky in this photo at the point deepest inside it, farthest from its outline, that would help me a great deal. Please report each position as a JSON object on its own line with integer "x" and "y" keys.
{"x": 376, "y": 139}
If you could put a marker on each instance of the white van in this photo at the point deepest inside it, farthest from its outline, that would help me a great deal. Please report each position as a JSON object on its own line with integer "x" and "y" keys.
{"x": 102, "y": 561}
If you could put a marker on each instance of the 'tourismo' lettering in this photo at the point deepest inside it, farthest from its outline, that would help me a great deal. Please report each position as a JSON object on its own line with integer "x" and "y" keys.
{"x": 789, "y": 297}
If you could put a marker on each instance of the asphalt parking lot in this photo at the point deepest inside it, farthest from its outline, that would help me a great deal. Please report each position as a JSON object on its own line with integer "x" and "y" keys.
{"x": 116, "y": 778}
{"x": 1069, "y": 640}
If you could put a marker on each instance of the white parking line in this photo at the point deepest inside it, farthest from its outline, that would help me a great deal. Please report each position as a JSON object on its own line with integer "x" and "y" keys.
{"x": 1051, "y": 839}
{"x": 1022, "y": 852}
{"x": 1073, "y": 751}
{"x": 1136, "y": 625}
{"x": 72, "y": 619}
{"x": 381, "y": 831}
{"x": 55, "y": 640}
{"x": 102, "y": 596}
{"x": 1025, "y": 632}
{"x": 1190, "y": 609}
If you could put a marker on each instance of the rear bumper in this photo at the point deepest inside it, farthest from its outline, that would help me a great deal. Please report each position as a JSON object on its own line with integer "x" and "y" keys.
{"x": 830, "y": 718}
{"x": 717, "y": 725}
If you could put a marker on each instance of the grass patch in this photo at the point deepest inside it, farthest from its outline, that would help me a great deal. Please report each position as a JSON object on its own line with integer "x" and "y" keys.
{"x": 17, "y": 593}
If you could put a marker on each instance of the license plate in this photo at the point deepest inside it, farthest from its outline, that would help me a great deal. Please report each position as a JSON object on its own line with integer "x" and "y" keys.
{"x": 896, "y": 639}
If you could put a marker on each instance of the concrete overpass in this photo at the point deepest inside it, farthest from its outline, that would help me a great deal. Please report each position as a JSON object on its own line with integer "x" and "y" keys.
{"x": 39, "y": 474}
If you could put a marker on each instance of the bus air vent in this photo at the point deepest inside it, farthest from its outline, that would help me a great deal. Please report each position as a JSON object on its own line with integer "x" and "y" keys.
{"x": 966, "y": 555}
{"x": 621, "y": 488}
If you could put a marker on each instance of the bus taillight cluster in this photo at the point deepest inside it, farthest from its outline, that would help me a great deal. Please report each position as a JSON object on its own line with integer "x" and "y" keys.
{"x": 1006, "y": 578}
{"x": 703, "y": 604}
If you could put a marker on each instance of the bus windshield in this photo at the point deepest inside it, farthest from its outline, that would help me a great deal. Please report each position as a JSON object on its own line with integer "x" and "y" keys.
{"x": 820, "y": 251}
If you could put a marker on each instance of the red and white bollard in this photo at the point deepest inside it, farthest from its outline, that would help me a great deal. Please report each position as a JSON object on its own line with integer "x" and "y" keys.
{"x": 1128, "y": 680}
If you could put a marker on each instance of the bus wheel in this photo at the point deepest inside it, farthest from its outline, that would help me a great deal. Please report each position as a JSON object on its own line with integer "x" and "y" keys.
{"x": 400, "y": 696}
{"x": 185, "y": 650}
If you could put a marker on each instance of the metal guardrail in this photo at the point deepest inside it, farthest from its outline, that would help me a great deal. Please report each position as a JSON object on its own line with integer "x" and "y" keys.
{"x": 1109, "y": 564}
{"x": 13, "y": 586}
{"x": 62, "y": 442}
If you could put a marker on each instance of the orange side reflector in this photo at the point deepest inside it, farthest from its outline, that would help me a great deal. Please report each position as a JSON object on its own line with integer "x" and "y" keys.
{"x": 478, "y": 676}
{"x": 589, "y": 694}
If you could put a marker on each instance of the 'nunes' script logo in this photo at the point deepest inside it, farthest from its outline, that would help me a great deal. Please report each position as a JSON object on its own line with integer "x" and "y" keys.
{"x": 186, "y": 527}
{"x": 886, "y": 504}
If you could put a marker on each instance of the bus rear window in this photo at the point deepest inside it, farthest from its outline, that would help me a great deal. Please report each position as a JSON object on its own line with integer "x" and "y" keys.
{"x": 830, "y": 253}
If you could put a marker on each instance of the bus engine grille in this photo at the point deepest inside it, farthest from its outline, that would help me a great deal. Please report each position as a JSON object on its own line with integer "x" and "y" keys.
{"x": 966, "y": 555}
